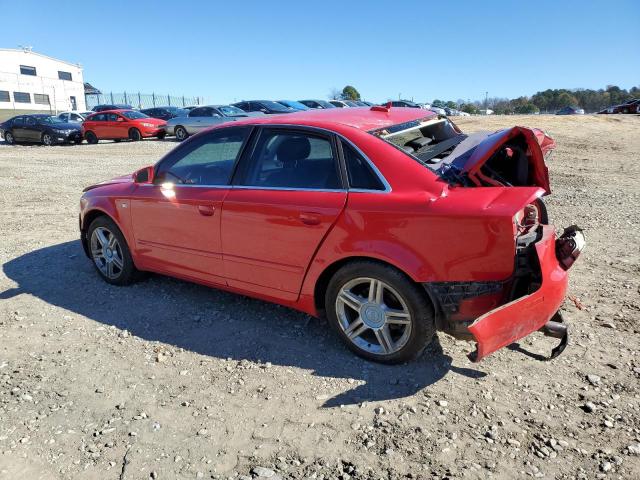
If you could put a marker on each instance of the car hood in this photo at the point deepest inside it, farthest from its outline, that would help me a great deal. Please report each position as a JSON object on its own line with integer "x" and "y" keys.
{"x": 124, "y": 179}
{"x": 66, "y": 126}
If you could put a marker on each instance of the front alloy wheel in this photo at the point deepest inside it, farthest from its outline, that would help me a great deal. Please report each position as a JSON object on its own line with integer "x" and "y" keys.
{"x": 110, "y": 253}
{"x": 181, "y": 133}
{"x": 47, "y": 139}
{"x": 106, "y": 253}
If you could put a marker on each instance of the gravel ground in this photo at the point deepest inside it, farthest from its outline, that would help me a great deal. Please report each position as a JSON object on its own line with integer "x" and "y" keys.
{"x": 169, "y": 380}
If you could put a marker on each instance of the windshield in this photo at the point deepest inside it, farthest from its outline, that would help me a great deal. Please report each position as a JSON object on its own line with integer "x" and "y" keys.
{"x": 275, "y": 106}
{"x": 326, "y": 104}
{"x": 231, "y": 111}
{"x": 51, "y": 120}
{"x": 133, "y": 115}
{"x": 294, "y": 104}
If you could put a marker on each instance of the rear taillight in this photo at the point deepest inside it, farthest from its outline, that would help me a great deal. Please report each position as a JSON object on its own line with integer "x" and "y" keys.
{"x": 569, "y": 246}
{"x": 526, "y": 219}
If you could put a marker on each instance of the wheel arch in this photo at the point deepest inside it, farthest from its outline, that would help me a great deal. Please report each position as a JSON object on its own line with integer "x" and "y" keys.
{"x": 322, "y": 281}
{"x": 88, "y": 218}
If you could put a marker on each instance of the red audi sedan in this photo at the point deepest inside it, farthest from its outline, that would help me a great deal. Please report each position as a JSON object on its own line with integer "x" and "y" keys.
{"x": 390, "y": 222}
{"x": 121, "y": 124}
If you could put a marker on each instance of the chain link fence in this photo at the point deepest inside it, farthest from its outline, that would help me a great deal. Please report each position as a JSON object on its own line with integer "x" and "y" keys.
{"x": 142, "y": 100}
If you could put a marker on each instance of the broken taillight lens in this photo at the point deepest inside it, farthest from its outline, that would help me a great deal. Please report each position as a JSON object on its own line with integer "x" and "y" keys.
{"x": 569, "y": 246}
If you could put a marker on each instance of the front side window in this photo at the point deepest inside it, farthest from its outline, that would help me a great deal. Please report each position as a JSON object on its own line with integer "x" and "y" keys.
{"x": 26, "y": 70}
{"x": 22, "y": 97}
{"x": 209, "y": 161}
{"x": 291, "y": 159}
{"x": 359, "y": 172}
{"x": 201, "y": 112}
{"x": 112, "y": 117}
{"x": 64, "y": 75}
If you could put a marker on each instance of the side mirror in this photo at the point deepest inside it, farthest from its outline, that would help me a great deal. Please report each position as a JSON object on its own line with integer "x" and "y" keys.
{"x": 120, "y": 119}
{"x": 144, "y": 175}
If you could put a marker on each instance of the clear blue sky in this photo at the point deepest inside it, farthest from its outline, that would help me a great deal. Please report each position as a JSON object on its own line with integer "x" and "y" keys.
{"x": 230, "y": 50}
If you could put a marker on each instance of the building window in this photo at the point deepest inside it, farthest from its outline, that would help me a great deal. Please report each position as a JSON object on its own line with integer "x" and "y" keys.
{"x": 25, "y": 70}
{"x": 21, "y": 97}
{"x": 41, "y": 98}
{"x": 4, "y": 96}
{"x": 64, "y": 75}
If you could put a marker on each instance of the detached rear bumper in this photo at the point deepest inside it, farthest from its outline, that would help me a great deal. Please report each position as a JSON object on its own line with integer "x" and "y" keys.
{"x": 517, "y": 319}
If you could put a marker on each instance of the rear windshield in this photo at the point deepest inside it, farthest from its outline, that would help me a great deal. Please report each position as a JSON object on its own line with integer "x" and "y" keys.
{"x": 429, "y": 141}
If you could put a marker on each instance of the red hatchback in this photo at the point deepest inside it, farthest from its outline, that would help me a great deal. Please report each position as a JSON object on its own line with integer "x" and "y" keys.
{"x": 121, "y": 124}
{"x": 389, "y": 221}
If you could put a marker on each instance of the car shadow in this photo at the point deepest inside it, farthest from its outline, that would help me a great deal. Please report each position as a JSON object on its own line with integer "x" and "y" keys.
{"x": 218, "y": 324}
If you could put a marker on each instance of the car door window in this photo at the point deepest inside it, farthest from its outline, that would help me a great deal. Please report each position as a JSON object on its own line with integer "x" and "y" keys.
{"x": 112, "y": 117}
{"x": 291, "y": 159}
{"x": 30, "y": 122}
{"x": 209, "y": 161}
{"x": 360, "y": 174}
{"x": 18, "y": 122}
{"x": 76, "y": 118}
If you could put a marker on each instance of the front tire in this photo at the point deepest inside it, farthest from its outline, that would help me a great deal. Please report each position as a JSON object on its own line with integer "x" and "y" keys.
{"x": 379, "y": 313}
{"x": 110, "y": 253}
{"x": 181, "y": 133}
{"x": 135, "y": 135}
{"x": 161, "y": 135}
{"x": 91, "y": 138}
{"x": 47, "y": 139}
{"x": 9, "y": 138}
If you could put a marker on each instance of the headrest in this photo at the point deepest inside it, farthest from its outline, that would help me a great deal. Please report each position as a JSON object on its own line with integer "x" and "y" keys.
{"x": 293, "y": 149}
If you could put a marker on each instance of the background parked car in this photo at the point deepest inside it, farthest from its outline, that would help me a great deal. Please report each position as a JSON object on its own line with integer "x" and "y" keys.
{"x": 317, "y": 104}
{"x": 121, "y": 124}
{"x": 346, "y": 103}
{"x": 111, "y": 106}
{"x": 631, "y": 106}
{"x": 202, "y": 117}
{"x": 268, "y": 107}
{"x": 77, "y": 117}
{"x": 438, "y": 110}
{"x": 570, "y": 111}
{"x": 165, "y": 113}
{"x": 293, "y": 104}
{"x": 40, "y": 128}
{"x": 403, "y": 103}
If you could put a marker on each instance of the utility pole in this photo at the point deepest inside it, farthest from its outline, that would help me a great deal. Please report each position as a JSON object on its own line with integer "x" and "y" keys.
{"x": 486, "y": 101}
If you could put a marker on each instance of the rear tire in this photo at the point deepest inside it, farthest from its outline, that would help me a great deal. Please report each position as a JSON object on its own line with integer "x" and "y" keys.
{"x": 91, "y": 138}
{"x": 181, "y": 133}
{"x": 379, "y": 312}
{"x": 135, "y": 135}
{"x": 110, "y": 253}
{"x": 9, "y": 138}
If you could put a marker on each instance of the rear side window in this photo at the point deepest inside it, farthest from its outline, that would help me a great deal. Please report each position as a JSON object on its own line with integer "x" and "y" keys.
{"x": 101, "y": 117}
{"x": 112, "y": 117}
{"x": 283, "y": 159}
{"x": 359, "y": 172}
{"x": 209, "y": 161}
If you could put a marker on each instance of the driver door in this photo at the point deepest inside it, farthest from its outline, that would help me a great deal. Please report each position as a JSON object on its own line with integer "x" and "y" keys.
{"x": 176, "y": 221}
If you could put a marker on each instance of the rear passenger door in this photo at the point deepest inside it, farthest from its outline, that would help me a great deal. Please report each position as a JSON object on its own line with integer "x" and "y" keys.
{"x": 287, "y": 193}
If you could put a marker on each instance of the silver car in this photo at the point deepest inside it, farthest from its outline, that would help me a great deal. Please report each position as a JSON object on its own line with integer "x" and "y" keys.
{"x": 202, "y": 117}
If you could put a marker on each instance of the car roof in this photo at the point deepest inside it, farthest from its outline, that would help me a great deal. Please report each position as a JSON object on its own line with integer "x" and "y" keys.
{"x": 363, "y": 118}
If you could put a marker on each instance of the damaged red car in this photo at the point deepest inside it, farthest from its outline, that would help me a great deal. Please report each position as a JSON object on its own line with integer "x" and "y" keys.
{"x": 391, "y": 222}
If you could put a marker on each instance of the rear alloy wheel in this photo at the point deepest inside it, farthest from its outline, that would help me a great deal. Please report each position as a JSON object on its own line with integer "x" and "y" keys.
{"x": 181, "y": 133}
{"x": 91, "y": 138}
{"x": 9, "y": 138}
{"x": 135, "y": 135}
{"x": 110, "y": 253}
{"x": 47, "y": 139}
{"x": 379, "y": 313}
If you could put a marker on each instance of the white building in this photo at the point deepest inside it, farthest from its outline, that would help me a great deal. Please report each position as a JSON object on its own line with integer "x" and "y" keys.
{"x": 32, "y": 81}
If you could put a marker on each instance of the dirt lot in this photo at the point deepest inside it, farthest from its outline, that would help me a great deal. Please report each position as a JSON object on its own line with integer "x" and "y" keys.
{"x": 171, "y": 380}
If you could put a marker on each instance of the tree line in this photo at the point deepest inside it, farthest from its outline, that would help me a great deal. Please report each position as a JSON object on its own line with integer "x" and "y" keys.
{"x": 549, "y": 101}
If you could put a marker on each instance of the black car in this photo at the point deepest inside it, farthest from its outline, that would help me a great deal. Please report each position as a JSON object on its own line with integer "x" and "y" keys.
{"x": 317, "y": 103}
{"x": 403, "y": 103}
{"x": 264, "y": 106}
{"x": 165, "y": 113}
{"x": 40, "y": 128}
{"x": 111, "y": 106}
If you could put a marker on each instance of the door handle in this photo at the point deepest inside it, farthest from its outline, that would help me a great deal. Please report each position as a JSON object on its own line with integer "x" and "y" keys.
{"x": 309, "y": 218}
{"x": 206, "y": 210}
